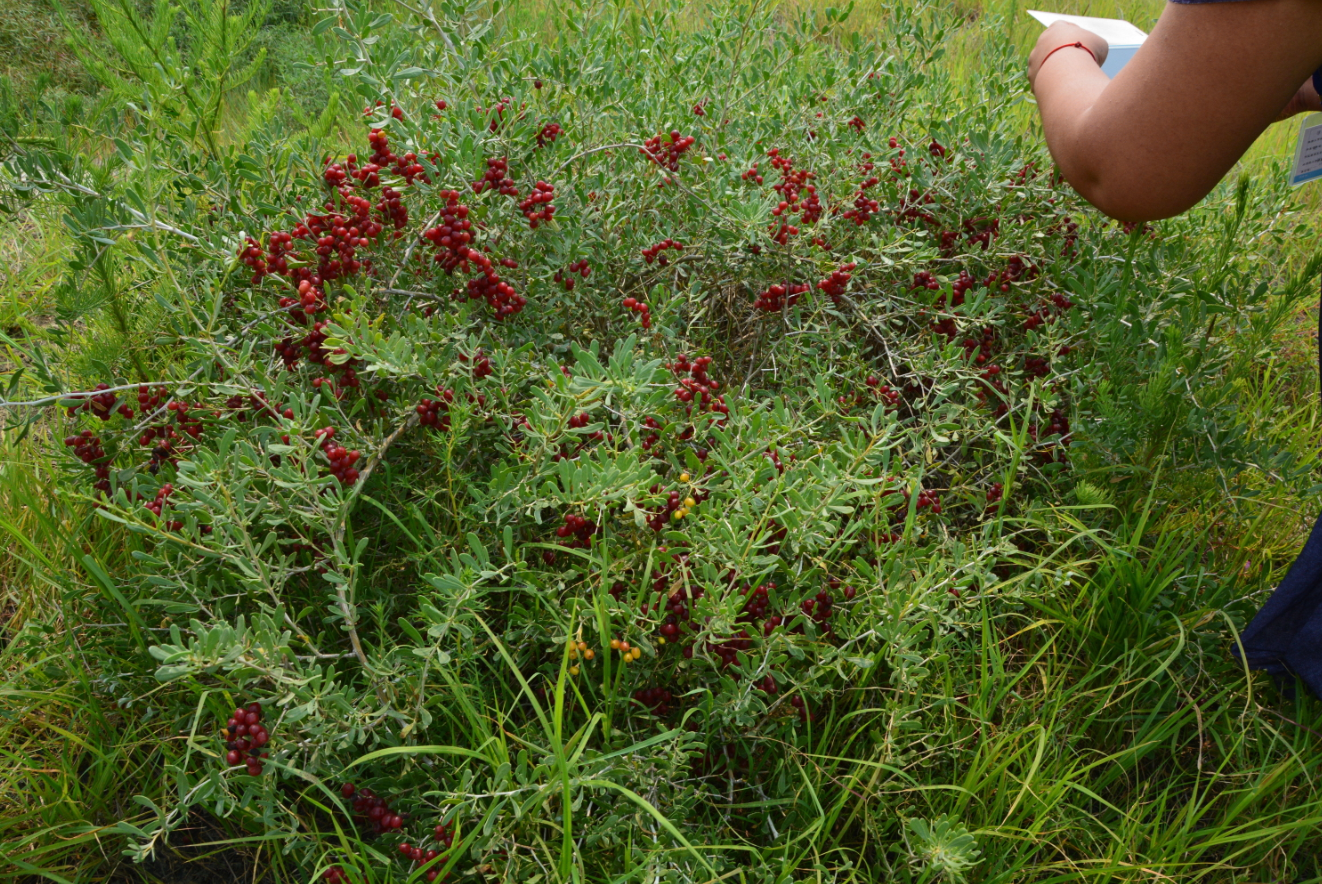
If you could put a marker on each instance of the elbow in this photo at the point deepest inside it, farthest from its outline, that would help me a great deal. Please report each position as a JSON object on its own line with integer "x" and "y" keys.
{"x": 1118, "y": 192}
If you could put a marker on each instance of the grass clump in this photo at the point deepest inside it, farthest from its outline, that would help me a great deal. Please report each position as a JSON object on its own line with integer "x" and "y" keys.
{"x": 677, "y": 450}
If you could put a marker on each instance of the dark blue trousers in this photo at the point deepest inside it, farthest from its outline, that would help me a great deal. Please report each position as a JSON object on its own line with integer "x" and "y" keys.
{"x": 1285, "y": 637}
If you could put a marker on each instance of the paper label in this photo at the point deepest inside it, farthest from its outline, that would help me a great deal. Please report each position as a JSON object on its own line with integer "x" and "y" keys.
{"x": 1308, "y": 152}
{"x": 1115, "y": 31}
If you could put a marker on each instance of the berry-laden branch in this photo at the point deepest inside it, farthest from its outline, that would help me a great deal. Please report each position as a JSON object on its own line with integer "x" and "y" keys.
{"x": 337, "y": 534}
{"x": 80, "y": 395}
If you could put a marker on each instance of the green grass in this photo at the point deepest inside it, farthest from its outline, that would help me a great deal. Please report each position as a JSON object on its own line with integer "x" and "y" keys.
{"x": 1083, "y": 720}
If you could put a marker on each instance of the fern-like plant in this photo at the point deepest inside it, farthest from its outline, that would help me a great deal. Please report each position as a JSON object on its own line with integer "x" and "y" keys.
{"x": 186, "y": 58}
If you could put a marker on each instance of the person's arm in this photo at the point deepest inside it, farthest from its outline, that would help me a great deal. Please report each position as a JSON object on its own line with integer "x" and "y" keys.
{"x": 1208, "y": 80}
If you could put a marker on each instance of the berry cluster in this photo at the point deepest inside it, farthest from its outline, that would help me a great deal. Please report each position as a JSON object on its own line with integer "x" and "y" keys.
{"x": 752, "y": 175}
{"x": 350, "y": 222}
{"x": 444, "y": 834}
{"x": 961, "y": 286}
{"x": 644, "y": 312}
{"x": 834, "y": 285}
{"x": 698, "y": 385}
{"x": 576, "y": 532}
{"x": 864, "y": 206}
{"x": 499, "y": 112}
{"x": 566, "y": 277}
{"x": 652, "y": 438}
{"x": 373, "y": 808}
{"x": 341, "y": 460}
{"x": 149, "y": 400}
{"x": 981, "y": 348}
{"x": 481, "y": 364}
{"x": 757, "y": 605}
{"x": 435, "y": 413}
{"x": 87, "y": 448}
{"x": 246, "y": 738}
{"x": 857, "y": 124}
{"x": 729, "y": 649}
{"x": 578, "y": 422}
{"x": 924, "y": 279}
{"x": 656, "y": 700}
{"x": 161, "y": 501}
{"x": 994, "y": 494}
{"x": 676, "y": 605}
{"x": 496, "y": 177}
{"x": 453, "y": 234}
{"x": 883, "y": 391}
{"x": 899, "y": 165}
{"x": 627, "y": 654}
{"x": 100, "y": 403}
{"x": 926, "y": 500}
{"x": 650, "y": 254}
{"x": 536, "y": 207}
{"x": 1058, "y": 424}
{"x": 1048, "y": 312}
{"x": 395, "y": 110}
{"x": 797, "y": 196}
{"x": 579, "y": 649}
{"x": 911, "y": 208}
{"x": 819, "y": 608}
{"x": 676, "y": 508}
{"x": 548, "y": 134}
{"x": 779, "y": 296}
{"x": 1036, "y": 366}
{"x": 336, "y": 875}
{"x": 982, "y": 230}
{"x": 488, "y": 286}
{"x": 666, "y": 153}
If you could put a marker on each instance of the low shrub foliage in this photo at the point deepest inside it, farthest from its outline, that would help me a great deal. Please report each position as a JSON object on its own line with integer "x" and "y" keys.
{"x": 602, "y": 468}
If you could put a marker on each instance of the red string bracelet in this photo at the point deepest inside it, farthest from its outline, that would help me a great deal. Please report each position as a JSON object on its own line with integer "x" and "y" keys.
{"x": 1075, "y": 45}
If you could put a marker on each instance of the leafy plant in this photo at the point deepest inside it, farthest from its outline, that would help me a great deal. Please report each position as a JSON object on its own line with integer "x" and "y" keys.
{"x": 661, "y": 470}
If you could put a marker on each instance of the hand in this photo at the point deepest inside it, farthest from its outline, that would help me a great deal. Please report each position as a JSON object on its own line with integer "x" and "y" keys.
{"x": 1304, "y": 101}
{"x": 1062, "y": 34}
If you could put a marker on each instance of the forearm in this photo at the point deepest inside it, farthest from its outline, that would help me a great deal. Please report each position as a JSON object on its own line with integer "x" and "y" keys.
{"x": 1067, "y": 86}
{"x": 1210, "y": 78}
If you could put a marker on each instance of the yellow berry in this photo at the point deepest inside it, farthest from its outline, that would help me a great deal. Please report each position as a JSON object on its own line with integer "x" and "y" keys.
{"x": 582, "y": 646}
{"x": 677, "y": 514}
{"x": 683, "y": 477}
{"x": 637, "y": 652}
{"x": 589, "y": 654}
{"x": 661, "y": 640}
{"x": 573, "y": 653}
{"x": 573, "y": 670}
{"x": 615, "y": 644}
{"x": 689, "y": 503}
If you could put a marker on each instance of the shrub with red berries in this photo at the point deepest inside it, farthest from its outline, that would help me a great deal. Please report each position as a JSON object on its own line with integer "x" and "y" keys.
{"x": 246, "y": 738}
{"x": 490, "y": 465}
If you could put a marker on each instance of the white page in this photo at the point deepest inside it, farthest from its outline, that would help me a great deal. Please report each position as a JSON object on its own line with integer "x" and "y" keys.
{"x": 1115, "y": 31}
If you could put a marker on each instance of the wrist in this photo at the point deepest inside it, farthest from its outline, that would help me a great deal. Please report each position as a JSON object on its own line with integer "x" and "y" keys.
{"x": 1077, "y": 44}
